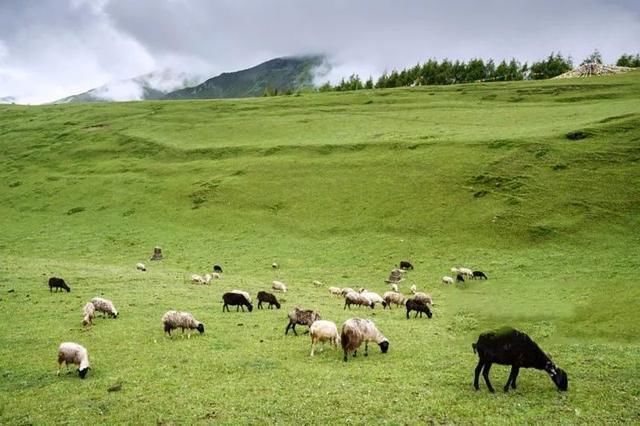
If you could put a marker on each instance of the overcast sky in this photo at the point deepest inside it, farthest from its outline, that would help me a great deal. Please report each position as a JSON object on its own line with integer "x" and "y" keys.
{"x": 53, "y": 48}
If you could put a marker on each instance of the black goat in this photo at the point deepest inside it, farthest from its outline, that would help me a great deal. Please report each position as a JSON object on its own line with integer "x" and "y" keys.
{"x": 479, "y": 274}
{"x": 235, "y": 299}
{"x": 418, "y": 306}
{"x": 217, "y": 268}
{"x": 508, "y": 346}
{"x": 459, "y": 278}
{"x": 405, "y": 264}
{"x": 58, "y": 283}
{"x": 269, "y": 298}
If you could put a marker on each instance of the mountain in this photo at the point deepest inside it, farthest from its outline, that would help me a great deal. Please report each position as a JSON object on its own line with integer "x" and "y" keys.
{"x": 7, "y": 100}
{"x": 154, "y": 85}
{"x": 278, "y": 75}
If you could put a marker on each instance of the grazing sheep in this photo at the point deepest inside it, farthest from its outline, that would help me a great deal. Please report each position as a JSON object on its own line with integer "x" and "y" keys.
{"x": 508, "y": 346}
{"x": 357, "y": 330}
{"x": 413, "y": 288}
{"x": 176, "y": 319}
{"x": 353, "y": 298}
{"x": 447, "y": 280}
{"x": 317, "y": 283}
{"x": 105, "y": 306}
{"x": 217, "y": 268}
{"x": 459, "y": 278}
{"x": 88, "y": 312}
{"x": 324, "y": 331}
{"x": 395, "y": 276}
{"x": 423, "y": 297}
{"x": 274, "y": 265}
{"x": 479, "y": 274}
{"x": 455, "y": 271}
{"x": 58, "y": 283}
{"x": 301, "y": 317}
{"x": 393, "y": 297}
{"x": 207, "y": 278}
{"x": 215, "y": 276}
{"x": 346, "y": 290}
{"x": 269, "y": 298}
{"x": 279, "y": 286}
{"x": 336, "y": 291}
{"x": 141, "y": 267}
{"x": 418, "y": 305}
{"x": 406, "y": 265}
{"x": 236, "y": 299}
{"x": 374, "y": 298}
{"x": 394, "y": 287}
{"x": 197, "y": 279}
{"x": 466, "y": 272}
{"x": 73, "y": 353}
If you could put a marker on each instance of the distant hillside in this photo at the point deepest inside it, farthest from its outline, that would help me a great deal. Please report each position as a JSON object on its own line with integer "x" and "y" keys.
{"x": 150, "y": 86}
{"x": 275, "y": 76}
{"x": 7, "y": 100}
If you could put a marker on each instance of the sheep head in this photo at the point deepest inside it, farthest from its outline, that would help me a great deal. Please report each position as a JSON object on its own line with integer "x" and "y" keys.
{"x": 384, "y": 346}
{"x": 200, "y": 328}
{"x": 558, "y": 376}
{"x": 83, "y": 372}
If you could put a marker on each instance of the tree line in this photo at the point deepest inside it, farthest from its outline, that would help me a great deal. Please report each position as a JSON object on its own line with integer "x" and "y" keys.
{"x": 443, "y": 72}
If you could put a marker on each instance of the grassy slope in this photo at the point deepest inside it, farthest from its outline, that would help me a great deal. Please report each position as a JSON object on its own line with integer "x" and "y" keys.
{"x": 337, "y": 187}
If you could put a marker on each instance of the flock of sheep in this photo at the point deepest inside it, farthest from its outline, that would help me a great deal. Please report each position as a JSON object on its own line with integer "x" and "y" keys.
{"x": 506, "y": 346}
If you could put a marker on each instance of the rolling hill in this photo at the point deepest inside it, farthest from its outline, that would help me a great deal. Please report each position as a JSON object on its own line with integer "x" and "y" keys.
{"x": 535, "y": 183}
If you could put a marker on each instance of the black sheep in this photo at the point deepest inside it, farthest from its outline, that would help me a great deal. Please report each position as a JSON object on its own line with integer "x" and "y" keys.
{"x": 419, "y": 307}
{"x": 217, "y": 268}
{"x": 508, "y": 346}
{"x": 405, "y": 264}
{"x": 269, "y": 298}
{"x": 479, "y": 275}
{"x": 235, "y": 299}
{"x": 459, "y": 278}
{"x": 58, "y": 283}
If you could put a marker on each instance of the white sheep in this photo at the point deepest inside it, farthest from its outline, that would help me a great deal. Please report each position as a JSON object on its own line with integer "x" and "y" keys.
{"x": 317, "y": 283}
{"x": 468, "y": 273}
{"x": 393, "y": 297}
{"x": 447, "y": 280}
{"x": 242, "y": 292}
{"x": 280, "y": 286}
{"x": 215, "y": 276}
{"x": 274, "y": 265}
{"x": 175, "y": 319}
{"x": 357, "y": 330}
{"x": 197, "y": 279}
{"x": 141, "y": 267}
{"x": 335, "y": 291}
{"x": 413, "y": 288}
{"x": 455, "y": 271}
{"x": 323, "y": 331}
{"x": 73, "y": 353}
{"x": 105, "y": 306}
{"x": 394, "y": 287}
{"x": 207, "y": 278}
{"x": 88, "y": 312}
{"x": 346, "y": 290}
{"x": 373, "y": 297}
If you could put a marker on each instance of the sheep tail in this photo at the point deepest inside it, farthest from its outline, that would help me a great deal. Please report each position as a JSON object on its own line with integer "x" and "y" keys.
{"x": 473, "y": 345}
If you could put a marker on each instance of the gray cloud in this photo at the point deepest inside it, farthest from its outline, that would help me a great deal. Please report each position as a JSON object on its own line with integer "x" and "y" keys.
{"x": 52, "y": 48}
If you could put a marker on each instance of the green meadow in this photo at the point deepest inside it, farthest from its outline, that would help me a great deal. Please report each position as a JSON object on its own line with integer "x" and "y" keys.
{"x": 535, "y": 183}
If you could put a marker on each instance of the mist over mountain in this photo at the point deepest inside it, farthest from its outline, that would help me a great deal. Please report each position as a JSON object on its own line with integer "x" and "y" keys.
{"x": 154, "y": 85}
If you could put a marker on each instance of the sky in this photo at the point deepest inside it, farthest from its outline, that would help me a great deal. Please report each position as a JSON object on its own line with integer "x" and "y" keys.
{"x": 50, "y": 49}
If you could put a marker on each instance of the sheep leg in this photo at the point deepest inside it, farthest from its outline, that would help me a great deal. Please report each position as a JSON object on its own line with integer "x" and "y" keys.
{"x": 515, "y": 376}
{"x": 345, "y": 356}
{"x": 313, "y": 344}
{"x": 293, "y": 327}
{"x": 366, "y": 348}
{"x": 477, "y": 374}
{"x": 485, "y": 374}
{"x": 225, "y": 306}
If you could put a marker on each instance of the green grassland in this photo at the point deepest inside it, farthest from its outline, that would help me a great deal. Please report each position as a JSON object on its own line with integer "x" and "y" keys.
{"x": 336, "y": 187}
